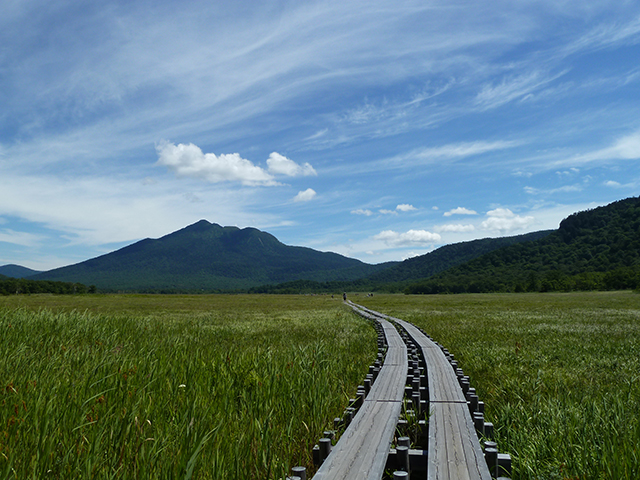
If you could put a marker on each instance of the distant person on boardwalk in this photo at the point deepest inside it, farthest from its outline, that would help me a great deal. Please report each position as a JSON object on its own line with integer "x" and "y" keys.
{"x": 344, "y": 296}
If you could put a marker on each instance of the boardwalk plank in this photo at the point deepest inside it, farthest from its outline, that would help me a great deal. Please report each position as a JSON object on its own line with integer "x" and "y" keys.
{"x": 362, "y": 451}
{"x": 454, "y": 450}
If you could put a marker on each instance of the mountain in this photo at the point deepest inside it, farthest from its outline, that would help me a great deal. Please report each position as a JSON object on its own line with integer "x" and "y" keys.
{"x": 16, "y": 271}
{"x": 397, "y": 277}
{"x": 594, "y": 249}
{"x": 448, "y": 256}
{"x": 206, "y": 256}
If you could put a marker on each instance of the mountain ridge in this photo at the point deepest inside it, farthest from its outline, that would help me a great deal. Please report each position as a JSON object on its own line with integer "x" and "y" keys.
{"x": 591, "y": 250}
{"x": 207, "y": 256}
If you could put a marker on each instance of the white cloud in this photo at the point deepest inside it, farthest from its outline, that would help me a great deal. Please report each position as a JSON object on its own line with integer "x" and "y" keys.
{"x": 361, "y": 211}
{"x": 455, "y": 228}
{"x": 279, "y": 164}
{"x": 21, "y": 238}
{"x": 404, "y": 207}
{"x": 504, "y": 220}
{"x": 563, "y": 189}
{"x": 628, "y": 147}
{"x": 305, "y": 195}
{"x": 388, "y": 212}
{"x": 412, "y": 254}
{"x": 514, "y": 87}
{"x": 411, "y": 237}
{"x": 460, "y": 211}
{"x": 624, "y": 148}
{"x": 614, "y": 184}
{"x": 189, "y": 161}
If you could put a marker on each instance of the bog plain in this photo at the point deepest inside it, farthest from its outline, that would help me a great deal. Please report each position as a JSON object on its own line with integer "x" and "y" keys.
{"x": 237, "y": 387}
{"x": 128, "y": 386}
{"x": 559, "y": 374}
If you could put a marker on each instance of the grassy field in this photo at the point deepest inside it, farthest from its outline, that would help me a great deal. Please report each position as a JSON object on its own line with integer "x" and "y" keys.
{"x": 559, "y": 373}
{"x": 208, "y": 387}
{"x": 241, "y": 387}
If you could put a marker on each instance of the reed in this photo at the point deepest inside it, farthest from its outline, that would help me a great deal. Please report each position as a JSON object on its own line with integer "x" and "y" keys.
{"x": 559, "y": 374}
{"x": 232, "y": 387}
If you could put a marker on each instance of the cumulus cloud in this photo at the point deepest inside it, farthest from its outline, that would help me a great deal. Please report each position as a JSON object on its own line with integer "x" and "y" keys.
{"x": 404, "y": 207}
{"x": 409, "y": 238}
{"x": 361, "y": 211}
{"x": 504, "y": 220}
{"x": 281, "y": 165}
{"x": 388, "y": 212}
{"x": 460, "y": 211}
{"x": 189, "y": 161}
{"x": 456, "y": 228}
{"x": 305, "y": 195}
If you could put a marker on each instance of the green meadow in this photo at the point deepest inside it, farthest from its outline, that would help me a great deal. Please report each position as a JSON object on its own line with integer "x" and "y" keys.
{"x": 559, "y": 374}
{"x": 208, "y": 387}
{"x": 242, "y": 386}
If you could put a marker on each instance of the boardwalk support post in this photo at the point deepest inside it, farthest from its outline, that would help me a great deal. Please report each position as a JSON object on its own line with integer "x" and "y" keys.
{"x": 300, "y": 472}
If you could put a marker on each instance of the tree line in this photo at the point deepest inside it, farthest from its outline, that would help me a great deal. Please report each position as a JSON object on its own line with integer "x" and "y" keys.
{"x": 18, "y": 286}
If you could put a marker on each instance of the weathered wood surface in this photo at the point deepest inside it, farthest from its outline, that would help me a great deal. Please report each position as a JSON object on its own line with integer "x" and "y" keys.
{"x": 362, "y": 451}
{"x": 454, "y": 449}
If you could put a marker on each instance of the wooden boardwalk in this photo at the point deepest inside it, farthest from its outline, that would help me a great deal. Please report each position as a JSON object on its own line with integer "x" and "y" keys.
{"x": 454, "y": 451}
{"x": 361, "y": 453}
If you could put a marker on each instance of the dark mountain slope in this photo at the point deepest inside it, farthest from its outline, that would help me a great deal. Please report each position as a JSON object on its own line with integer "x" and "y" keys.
{"x": 589, "y": 250}
{"x": 448, "y": 256}
{"x": 206, "y": 256}
{"x": 17, "y": 271}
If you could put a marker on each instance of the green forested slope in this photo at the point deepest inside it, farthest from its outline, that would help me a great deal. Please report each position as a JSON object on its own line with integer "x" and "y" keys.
{"x": 206, "y": 256}
{"x": 594, "y": 249}
{"x": 448, "y": 256}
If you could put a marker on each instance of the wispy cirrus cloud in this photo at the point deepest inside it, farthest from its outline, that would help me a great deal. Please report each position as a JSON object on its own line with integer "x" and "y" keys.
{"x": 514, "y": 87}
{"x": 362, "y": 211}
{"x": 24, "y": 239}
{"x": 626, "y": 147}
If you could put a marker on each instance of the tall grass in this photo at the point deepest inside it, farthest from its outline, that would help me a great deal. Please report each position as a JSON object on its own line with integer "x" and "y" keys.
{"x": 173, "y": 387}
{"x": 559, "y": 373}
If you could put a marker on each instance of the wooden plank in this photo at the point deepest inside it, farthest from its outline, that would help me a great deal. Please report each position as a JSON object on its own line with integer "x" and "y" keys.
{"x": 454, "y": 450}
{"x": 443, "y": 382}
{"x": 361, "y": 453}
{"x": 362, "y": 450}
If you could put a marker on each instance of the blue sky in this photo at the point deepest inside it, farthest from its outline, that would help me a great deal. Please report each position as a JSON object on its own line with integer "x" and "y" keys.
{"x": 379, "y": 130}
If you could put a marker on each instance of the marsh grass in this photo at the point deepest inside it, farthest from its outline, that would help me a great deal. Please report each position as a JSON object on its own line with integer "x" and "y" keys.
{"x": 559, "y": 374}
{"x": 234, "y": 387}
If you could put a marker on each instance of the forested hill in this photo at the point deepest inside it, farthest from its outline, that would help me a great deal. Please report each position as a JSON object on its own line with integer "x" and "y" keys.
{"x": 17, "y": 271}
{"x": 448, "y": 256}
{"x": 594, "y": 249}
{"x": 208, "y": 257}
{"x": 397, "y": 277}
